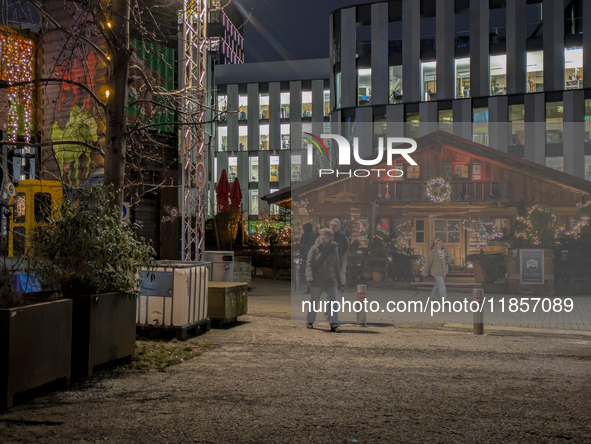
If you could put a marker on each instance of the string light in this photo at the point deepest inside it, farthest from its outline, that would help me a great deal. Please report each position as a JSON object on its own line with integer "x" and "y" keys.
{"x": 17, "y": 67}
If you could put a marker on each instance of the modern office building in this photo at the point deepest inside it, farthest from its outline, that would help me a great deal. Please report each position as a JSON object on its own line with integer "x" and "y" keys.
{"x": 482, "y": 62}
{"x": 224, "y": 32}
{"x": 263, "y": 109}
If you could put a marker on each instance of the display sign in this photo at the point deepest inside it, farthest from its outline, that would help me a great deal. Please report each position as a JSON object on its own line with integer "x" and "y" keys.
{"x": 200, "y": 175}
{"x": 125, "y": 213}
{"x": 531, "y": 266}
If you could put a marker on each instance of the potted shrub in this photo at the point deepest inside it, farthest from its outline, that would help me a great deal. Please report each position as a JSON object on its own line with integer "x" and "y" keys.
{"x": 488, "y": 267}
{"x": 94, "y": 258}
{"x": 35, "y": 340}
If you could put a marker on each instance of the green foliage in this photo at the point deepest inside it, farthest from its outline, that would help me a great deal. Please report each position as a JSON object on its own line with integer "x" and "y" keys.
{"x": 88, "y": 249}
{"x": 539, "y": 228}
{"x": 227, "y": 223}
{"x": 270, "y": 230}
{"x": 400, "y": 266}
{"x": 493, "y": 265}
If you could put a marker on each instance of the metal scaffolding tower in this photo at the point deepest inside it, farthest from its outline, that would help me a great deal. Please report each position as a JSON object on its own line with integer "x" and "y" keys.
{"x": 192, "y": 68}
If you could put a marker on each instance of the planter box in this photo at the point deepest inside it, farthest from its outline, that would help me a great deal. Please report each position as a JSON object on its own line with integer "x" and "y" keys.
{"x": 103, "y": 330}
{"x": 227, "y": 301}
{"x": 35, "y": 347}
{"x": 242, "y": 270}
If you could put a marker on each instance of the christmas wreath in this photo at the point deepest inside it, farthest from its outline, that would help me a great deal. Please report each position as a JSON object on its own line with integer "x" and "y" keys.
{"x": 438, "y": 190}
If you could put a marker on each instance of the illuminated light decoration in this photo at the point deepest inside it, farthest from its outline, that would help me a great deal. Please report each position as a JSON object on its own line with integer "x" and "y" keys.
{"x": 483, "y": 232}
{"x": 107, "y": 93}
{"x": 438, "y": 190}
{"x": 16, "y": 66}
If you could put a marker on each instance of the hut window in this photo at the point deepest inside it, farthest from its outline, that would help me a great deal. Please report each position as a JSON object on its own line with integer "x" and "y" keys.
{"x": 420, "y": 231}
{"x": 461, "y": 170}
{"x": 413, "y": 172}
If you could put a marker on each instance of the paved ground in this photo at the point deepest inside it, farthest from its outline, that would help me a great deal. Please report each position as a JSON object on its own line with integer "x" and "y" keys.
{"x": 269, "y": 380}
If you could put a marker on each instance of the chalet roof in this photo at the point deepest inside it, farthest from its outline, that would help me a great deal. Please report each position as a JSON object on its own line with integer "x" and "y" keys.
{"x": 493, "y": 156}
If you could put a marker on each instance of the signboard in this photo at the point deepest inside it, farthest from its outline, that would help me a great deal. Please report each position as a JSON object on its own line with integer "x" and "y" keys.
{"x": 125, "y": 213}
{"x": 531, "y": 266}
{"x": 201, "y": 175}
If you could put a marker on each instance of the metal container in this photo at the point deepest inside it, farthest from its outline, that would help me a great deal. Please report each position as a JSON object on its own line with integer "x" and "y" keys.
{"x": 222, "y": 264}
{"x": 176, "y": 297}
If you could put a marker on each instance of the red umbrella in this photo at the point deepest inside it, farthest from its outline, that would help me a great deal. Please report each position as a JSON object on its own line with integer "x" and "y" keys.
{"x": 235, "y": 195}
{"x": 222, "y": 191}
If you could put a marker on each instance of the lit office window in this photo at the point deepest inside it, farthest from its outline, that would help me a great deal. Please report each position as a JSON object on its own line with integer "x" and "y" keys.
{"x": 285, "y": 136}
{"x": 535, "y": 71}
{"x": 573, "y": 68}
{"x": 223, "y": 107}
{"x": 554, "y": 119}
{"x": 296, "y": 167}
{"x": 327, "y": 102}
{"x": 396, "y": 84}
{"x": 588, "y": 168}
{"x": 263, "y": 106}
{"x": 274, "y": 209}
{"x": 242, "y": 107}
{"x": 463, "y": 78}
{"x": 364, "y": 87}
{"x": 274, "y": 168}
{"x": 498, "y": 75}
{"x": 232, "y": 168}
{"x": 429, "y": 83}
{"x": 242, "y": 138}
{"x": 253, "y": 198}
{"x": 517, "y": 124}
{"x": 480, "y": 126}
{"x": 337, "y": 83}
{"x": 264, "y": 137}
{"x": 285, "y": 111}
{"x": 222, "y": 138}
{"x": 412, "y": 125}
{"x": 306, "y": 103}
{"x": 588, "y": 120}
{"x": 556, "y": 163}
{"x": 254, "y": 169}
{"x": 445, "y": 117}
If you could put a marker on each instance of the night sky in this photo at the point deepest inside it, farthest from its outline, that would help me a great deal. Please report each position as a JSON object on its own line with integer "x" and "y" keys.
{"x": 288, "y": 29}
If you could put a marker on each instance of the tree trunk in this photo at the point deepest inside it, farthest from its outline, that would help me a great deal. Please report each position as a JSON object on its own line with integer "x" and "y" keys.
{"x": 117, "y": 102}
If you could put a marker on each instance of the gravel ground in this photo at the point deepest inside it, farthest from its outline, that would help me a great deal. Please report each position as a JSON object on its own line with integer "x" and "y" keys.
{"x": 270, "y": 381}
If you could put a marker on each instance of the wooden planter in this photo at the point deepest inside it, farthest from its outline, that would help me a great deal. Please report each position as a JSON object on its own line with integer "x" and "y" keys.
{"x": 35, "y": 347}
{"x": 103, "y": 330}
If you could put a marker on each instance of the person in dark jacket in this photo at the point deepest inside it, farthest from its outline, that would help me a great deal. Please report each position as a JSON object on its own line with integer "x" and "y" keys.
{"x": 323, "y": 272}
{"x": 306, "y": 242}
{"x": 343, "y": 243}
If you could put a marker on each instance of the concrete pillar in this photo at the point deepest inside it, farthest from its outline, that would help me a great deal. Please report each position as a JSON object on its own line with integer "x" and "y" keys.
{"x": 573, "y": 143}
{"x": 462, "y": 112}
{"x": 498, "y": 128}
{"x": 348, "y": 61}
{"x": 395, "y": 120}
{"x": 379, "y": 54}
{"x": 553, "y": 45}
{"x": 318, "y": 100}
{"x": 274, "y": 116}
{"x": 445, "y": 36}
{"x": 479, "y": 49}
{"x": 428, "y": 117}
{"x": 411, "y": 50}
{"x": 587, "y": 43}
{"x": 364, "y": 132}
{"x": 516, "y": 56}
{"x": 232, "y": 119}
{"x": 535, "y": 128}
{"x": 253, "y": 116}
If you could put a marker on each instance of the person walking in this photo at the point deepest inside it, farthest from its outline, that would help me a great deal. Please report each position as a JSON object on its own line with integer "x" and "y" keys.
{"x": 306, "y": 243}
{"x": 437, "y": 265}
{"x": 341, "y": 239}
{"x": 323, "y": 275}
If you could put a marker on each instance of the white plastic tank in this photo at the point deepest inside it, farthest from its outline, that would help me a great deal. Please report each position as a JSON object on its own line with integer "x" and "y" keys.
{"x": 175, "y": 296}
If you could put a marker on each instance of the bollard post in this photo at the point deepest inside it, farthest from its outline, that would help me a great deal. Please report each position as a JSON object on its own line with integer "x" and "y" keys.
{"x": 362, "y": 314}
{"x": 478, "y": 296}
{"x": 297, "y": 274}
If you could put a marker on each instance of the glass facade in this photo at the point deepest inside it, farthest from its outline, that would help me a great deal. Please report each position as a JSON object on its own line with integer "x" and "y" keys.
{"x": 337, "y": 87}
{"x": 412, "y": 125}
{"x": 396, "y": 84}
{"x": 306, "y": 103}
{"x": 284, "y": 105}
{"x": 232, "y": 168}
{"x": 285, "y": 136}
{"x": 296, "y": 167}
{"x": 364, "y": 87}
{"x": 253, "y": 200}
{"x": 326, "y": 102}
{"x": 242, "y": 138}
{"x": 463, "y": 78}
{"x": 573, "y": 68}
{"x": 263, "y": 106}
{"x": 480, "y": 127}
{"x": 498, "y": 75}
{"x": 222, "y": 138}
{"x": 554, "y": 119}
{"x": 535, "y": 71}
{"x": 223, "y": 107}
{"x": 264, "y": 137}
{"x": 274, "y": 168}
{"x": 588, "y": 120}
{"x": 556, "y": 163}
{"x": 253, "y": 169}
{"x": 242, "y": 107}
{"x": 517, "y": 124}
{"x": 429, "y": 83}
{"x": 445, "y": 118}
{"x": 588, "y": 168}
